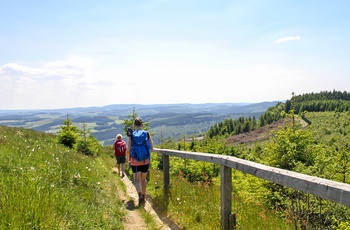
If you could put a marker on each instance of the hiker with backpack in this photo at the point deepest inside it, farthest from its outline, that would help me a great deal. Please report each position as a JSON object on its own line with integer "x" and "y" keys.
{"x": 119, "y": 147}
{"x": 138, "y": 153}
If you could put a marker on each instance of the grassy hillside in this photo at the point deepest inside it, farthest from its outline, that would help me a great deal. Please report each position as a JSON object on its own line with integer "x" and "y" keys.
{"x": 331, "y": 128}
{"x": 51, "y": 187}
{"x": 46, "y": 186}
{"x": 318, "y": 146}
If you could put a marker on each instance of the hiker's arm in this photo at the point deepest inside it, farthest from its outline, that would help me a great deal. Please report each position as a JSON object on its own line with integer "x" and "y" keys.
{"x": 128, "y": 149}
{"x": 150, "y": 142}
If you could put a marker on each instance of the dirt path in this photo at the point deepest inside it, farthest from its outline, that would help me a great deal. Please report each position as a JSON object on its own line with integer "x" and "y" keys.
{"x": 133, "y": 218}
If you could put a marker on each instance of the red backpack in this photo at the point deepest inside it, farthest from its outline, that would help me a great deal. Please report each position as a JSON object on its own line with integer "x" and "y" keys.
{"x": 119, "y": 148}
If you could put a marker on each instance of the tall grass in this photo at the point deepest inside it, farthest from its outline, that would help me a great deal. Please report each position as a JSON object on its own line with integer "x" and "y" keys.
{"x": 197, "y": 206}
{"x": 44, "y": 185}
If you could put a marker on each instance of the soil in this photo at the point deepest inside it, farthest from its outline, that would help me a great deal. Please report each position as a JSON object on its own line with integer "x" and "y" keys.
{"x": 260, "y": 134}
{"x": 133, "y": 218}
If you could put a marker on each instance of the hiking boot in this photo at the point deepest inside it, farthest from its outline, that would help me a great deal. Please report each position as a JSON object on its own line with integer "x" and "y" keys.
{"x": 141, "y": 200}
{"x": 123, "y": 175}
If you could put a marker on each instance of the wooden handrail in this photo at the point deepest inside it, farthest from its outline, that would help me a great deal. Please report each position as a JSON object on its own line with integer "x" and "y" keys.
{"x": 327, "y": 189}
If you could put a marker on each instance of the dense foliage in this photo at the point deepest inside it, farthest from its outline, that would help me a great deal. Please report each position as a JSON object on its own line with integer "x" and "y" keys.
{"x": 322, "y": 149}
{"x": 320, "y": 102}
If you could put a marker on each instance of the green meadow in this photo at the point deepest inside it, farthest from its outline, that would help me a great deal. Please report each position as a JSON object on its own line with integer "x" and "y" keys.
{"x": 44, "y": 185}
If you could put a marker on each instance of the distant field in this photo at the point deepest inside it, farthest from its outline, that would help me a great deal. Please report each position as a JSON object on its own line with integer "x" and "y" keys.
{"x": 166, "y": 121}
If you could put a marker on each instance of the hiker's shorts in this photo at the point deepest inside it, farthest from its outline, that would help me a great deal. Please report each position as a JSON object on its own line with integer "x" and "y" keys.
{"x": 120, "y": 159}
{"x": 140, "y": 168}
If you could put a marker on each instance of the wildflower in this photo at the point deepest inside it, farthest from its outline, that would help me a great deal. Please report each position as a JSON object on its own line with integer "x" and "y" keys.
{"x": 77, "y": 175}
{"x": 32, "y": 168}
{"x": 98, "y": 183}
{"x": 52, "y": 186}
{"x": 33, "y": 149}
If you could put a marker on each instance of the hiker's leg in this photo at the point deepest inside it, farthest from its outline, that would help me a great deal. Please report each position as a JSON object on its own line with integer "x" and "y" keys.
{"x": 134, "y": 173}
{"x": 143, "y": 183}
{"x": 137, "y": 179}
{"x": 118, "y": 164}
{"x": 144, "y": 170}
{"x": 122, "y": 162}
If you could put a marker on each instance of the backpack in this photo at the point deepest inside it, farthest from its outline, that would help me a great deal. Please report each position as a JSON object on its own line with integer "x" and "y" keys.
{"x": 119, "y": 148}
{"x": 140, "y": 147}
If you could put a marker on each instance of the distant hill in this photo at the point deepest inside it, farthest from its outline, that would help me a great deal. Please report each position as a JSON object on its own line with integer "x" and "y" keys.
{"x": 166, "y": 120}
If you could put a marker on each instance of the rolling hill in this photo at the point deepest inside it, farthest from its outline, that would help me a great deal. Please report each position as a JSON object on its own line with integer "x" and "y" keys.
{"x": 166, "y": 121}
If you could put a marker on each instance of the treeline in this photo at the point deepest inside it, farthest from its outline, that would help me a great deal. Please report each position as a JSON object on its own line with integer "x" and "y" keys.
{"x": 336, "y": 101}
{"x": 320, "y": 102}
{"x": 230, "y": 127}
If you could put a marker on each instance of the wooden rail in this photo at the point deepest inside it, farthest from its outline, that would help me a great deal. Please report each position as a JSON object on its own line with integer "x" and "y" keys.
{"x": 326, "y": 189}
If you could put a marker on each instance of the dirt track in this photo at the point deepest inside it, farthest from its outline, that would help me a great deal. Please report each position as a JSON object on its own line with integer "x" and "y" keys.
{"x": 260, "y": 134}
{"x": 133, "y": 218}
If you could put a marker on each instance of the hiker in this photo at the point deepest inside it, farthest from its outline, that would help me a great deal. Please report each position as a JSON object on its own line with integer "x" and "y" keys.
{"x": 138, "y": 154}
{"x": 119, "y": 147}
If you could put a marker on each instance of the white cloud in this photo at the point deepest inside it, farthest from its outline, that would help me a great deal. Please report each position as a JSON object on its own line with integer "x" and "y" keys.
{"x": 73, "y": 66}
{"x": 287, "y": 39}
{"x": 64, "y": 79}
{"x": 17, "y": 69}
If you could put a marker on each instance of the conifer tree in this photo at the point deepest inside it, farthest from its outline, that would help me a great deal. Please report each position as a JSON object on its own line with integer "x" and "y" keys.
{"x": 68, "y": 134}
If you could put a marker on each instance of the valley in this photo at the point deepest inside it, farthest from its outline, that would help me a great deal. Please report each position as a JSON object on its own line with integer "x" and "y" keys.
{"x": 166, "y": 121}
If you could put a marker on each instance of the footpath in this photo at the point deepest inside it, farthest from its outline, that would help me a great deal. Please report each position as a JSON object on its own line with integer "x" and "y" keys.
{"x": 133, "y": 218}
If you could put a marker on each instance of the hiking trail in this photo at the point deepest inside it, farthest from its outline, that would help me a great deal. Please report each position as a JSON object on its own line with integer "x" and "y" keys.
{"x": 133, "y": 218}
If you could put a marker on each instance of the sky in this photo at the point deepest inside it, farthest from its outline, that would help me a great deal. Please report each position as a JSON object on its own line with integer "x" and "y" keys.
{"x": 80, "y": 53}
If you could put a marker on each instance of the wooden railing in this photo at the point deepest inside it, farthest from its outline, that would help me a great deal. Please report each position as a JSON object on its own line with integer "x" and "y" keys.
{"x": 326, "y": 189}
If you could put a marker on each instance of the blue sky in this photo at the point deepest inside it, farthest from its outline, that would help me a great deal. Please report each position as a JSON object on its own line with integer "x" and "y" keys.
{"x": 61, "y": 54}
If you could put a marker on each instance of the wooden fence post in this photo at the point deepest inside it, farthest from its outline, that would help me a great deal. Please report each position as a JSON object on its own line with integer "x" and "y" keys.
{"x": 226, "y": 197}
{"x": 166, "y": 173}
